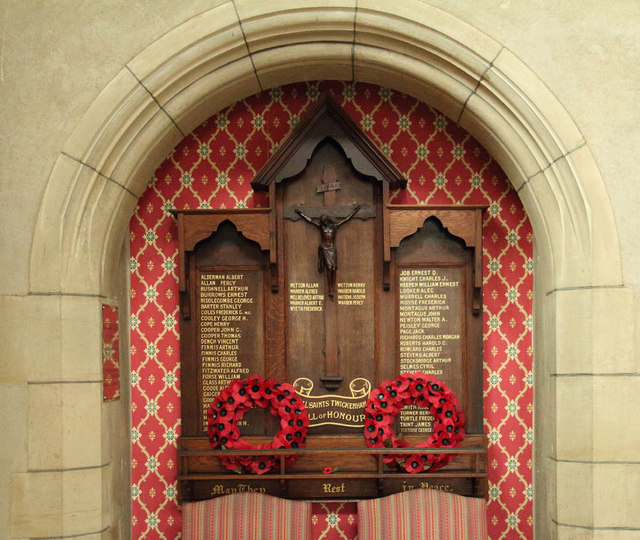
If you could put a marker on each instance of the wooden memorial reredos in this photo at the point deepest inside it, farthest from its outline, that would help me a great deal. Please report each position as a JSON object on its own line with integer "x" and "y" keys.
{"x": 333, "y": 290}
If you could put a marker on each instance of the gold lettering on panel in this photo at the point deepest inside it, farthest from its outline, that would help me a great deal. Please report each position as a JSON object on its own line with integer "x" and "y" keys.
{"x": 352, "y": 294}
{"x": 224, "y": 305}
{"x": 305, "y": 297}
{"x": 425, "y": 299}
{"x": 332, "y": 409}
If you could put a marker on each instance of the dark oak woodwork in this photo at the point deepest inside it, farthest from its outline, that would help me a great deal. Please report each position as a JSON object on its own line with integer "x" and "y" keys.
{"x": 362, "y": 473}
{"x": 266, "y": 266}
{"x": 196, "y": 225}
{"x": 327, "y": 120}
{"x": 226, "y": 254}
{"x": 433, "y": 250}
{"x": 463, "y": 222}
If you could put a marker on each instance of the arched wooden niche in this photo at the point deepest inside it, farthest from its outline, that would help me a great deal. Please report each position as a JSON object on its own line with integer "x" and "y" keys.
{"x": 333, "y": 290}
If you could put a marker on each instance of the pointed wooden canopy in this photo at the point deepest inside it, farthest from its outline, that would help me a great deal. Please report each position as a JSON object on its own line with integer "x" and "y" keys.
{"x": 327, "y": 120}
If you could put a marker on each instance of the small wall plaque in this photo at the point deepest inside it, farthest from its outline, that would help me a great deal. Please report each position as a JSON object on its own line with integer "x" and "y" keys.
{"x": 110, "y": 354}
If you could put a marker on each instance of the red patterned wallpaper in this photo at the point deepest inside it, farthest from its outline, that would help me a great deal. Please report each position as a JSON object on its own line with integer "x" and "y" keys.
{"x": 212, "y": 168}
{"x": 334, "y": 521}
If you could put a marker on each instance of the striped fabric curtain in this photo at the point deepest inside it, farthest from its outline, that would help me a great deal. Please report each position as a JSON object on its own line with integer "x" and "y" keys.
{"x": 246, "y": 516}
{"x": 423, "y": 514}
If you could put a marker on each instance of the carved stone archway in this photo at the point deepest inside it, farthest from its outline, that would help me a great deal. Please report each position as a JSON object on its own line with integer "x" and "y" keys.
{"x": 233, "y": 51}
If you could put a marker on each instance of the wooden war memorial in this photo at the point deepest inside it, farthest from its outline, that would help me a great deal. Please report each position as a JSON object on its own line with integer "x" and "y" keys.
{"x": 334, "y": 290}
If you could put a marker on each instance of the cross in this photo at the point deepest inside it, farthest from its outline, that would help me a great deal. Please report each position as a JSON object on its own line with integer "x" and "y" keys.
{"x": 328, "y": 185}
{"x": 322, "y": 218}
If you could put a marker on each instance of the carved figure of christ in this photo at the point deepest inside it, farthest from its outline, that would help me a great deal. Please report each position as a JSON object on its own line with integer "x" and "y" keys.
{"x": 327, "y": 251}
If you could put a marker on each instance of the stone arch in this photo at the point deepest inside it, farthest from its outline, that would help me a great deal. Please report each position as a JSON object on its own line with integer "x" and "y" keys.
{"x": 239, "y": 48}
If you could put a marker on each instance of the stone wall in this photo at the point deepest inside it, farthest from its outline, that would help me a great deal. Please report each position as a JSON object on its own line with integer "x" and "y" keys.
{"x": 88, "y": 112}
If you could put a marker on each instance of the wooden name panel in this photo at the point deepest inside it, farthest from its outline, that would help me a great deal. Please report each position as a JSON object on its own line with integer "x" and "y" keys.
{"x": 231, "y": 331}
{"x": 430, "y": 315}
{"x": 437, "y": 331}
{"x": 224, "y": 336}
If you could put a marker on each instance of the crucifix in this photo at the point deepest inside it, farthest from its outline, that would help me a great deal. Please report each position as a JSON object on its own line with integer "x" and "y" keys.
{"x": 327, "y": 251}
{"x": 328, "y": 225}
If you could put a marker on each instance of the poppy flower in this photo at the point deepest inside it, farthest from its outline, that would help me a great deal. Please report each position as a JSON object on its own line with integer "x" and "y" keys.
{"x": 327, "y": 470}
{"x": 395, "y": 443}
{"x": 417, "y": 389}
{"x": 403, "y": 395}
{"x": 371, "y": 409}
{"x": 239, "y": 390}
{"x": 432, "y": 400}
{"x": 447, "y": 424}
{"x": 279, "y": 441}
{"x": 423, "y": 402}
{"x": 388, "y": 460}
{"x": 231, "y": 463}
{"x": 443, "y": 439}
{"x": 402, "y": 387}
{"x": 301, "y": 416}
{"x": 262, "y": 465}
{"x": 241, "y": 444}
{"x": 414, "y": 463}
{"x": 289, "y": 433}
{"x": 214, "y": 439}
{"x": 245, "y": 461}
{"x": 227, "y": 433}
{"x": 387, "y": 384}
{"x": 370, "y": 428}
{"x": 287, "y": 436}
{"x": 287, "y": 422}
{"x": 438, "y": 461}
{"x": 384, "y": 431}
{"x": 254, "y": 387}
{"x": 269, "y": 387}
{"x": 287, "y": 389}
{"x": 285, "y": 411}
{"x": 394, "y": 408}
{"x": 234, "y": 413}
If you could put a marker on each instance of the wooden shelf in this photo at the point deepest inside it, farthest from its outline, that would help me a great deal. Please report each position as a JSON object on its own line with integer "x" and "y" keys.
{"x": 331, "y": 450}
{"x": 338, "y": 475}
{"x": 362, "y": 472}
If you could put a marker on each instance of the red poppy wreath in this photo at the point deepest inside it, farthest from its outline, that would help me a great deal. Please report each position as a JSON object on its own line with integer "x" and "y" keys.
{"x": 424, "y": 391}
{"x": 228, "y": 408}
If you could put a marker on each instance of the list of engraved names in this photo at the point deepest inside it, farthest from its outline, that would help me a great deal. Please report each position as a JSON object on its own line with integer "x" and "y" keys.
{"x": 352, "y": 294}
{"x": 430, "y": 330}
{"x": 305, "y": 297}
{"x": 226, "y": 306}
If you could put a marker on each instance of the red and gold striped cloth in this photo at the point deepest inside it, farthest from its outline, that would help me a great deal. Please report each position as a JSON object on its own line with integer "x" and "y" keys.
{"x": 424, "y": 514}
{"x": 246, "y": 516}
